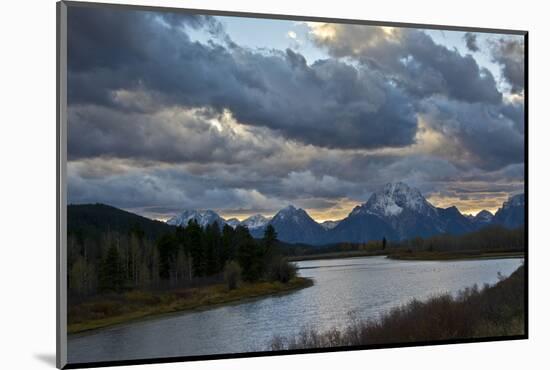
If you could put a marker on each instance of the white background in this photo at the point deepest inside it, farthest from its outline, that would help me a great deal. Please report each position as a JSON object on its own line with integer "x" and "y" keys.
{"x": 27, "y": 185}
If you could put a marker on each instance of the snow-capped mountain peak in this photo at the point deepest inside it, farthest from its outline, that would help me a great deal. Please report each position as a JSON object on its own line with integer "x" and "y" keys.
{"x": 392, "y": 199}
{"x": 203, "y": 218}
{"x": 286, "y": 212}
{"x": 292, "y": 214}
{"x": 255, "y": 221}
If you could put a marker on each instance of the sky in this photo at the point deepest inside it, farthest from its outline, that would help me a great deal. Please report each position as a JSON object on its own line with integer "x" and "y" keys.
{"x": 172, "y": 111}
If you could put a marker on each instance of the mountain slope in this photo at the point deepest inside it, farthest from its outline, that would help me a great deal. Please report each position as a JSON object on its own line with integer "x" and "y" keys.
{"x": 512, "y": 212}
{"x": 454, "y": 222}
{"x": 294, "y": 225}
{"x": 96, "y": 218}
{"x": 482, "y": 219}
{"x": 359, "y": 228}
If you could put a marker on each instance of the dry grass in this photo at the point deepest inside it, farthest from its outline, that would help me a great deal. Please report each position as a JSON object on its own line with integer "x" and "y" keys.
{"x": 489, "y": 312}
{"x": 121, "y": 308}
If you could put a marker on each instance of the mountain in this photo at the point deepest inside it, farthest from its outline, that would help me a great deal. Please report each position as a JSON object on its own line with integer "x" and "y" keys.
{"x": 394, "y": 199}
{"x": 395, "y": 212}
{"x": 399, "y": 212}
{"x": 294, "y": 225}
{"x": 454, "y": 222}
{"x": 93, "y": 219}
{"x": 233, "y": 222}
{"x": 255, "y": 222}
{"x": 203, "y": 218}
{"x": 482, "y": 219}
{"x": 327, "y": 225}
{"x": 360, "y": 227}
{"x": 512, "y": 212}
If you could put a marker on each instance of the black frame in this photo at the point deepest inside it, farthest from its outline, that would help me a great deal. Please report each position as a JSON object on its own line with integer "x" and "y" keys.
{"x": 61, "y": 196}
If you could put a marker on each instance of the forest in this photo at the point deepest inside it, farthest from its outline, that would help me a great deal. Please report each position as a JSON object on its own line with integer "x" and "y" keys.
{"x": 114, "y": 261}
{"x": 113, "y": 251}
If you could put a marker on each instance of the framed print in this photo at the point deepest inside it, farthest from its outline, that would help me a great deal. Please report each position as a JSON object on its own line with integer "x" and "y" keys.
{"x": 235, "y": 184}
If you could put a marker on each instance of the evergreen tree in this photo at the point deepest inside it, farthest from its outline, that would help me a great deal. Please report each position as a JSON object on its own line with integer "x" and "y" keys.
{"x": 194, "y": 241}
{"x": 212, "y": 243}
{"x": 270, "y": 255}
{"x": 111, "y": 273}
{"x": 168, "y": 250}
{"x": 249, "y": 254}
{"x": 270, "y": 236}
{"x": 250, "y": 260}
{"x": 228, "y": 244}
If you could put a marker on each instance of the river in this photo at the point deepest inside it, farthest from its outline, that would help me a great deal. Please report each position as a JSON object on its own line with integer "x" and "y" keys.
{"x": 363, "y": 288}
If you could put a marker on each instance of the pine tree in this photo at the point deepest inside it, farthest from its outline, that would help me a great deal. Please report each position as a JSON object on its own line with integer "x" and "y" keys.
{"x": 111, "y": 273}
{"x": 168, "y": 250}
{"x": 194, "y": 239}
{"x": 249, "y": 255}
{"x": 228, "y": 244}
{"x": 270, "y": 236}
{"x": 212, "y": 244}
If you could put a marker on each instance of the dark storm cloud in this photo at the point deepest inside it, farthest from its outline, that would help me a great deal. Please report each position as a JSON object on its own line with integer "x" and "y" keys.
{"x": 483, "y": 131}
{"x": 414, "y": 61}
{"x": 515, "y": 111}
{"x": 328, "y": 104}
{"x": 172, "y": 135}
{"x": 509, "y": 53}
{"x": 512, "y": 174}
{"x": 103, "y": 38}
{"x": 471, "y": 41}
{"x": 164, "y": 188}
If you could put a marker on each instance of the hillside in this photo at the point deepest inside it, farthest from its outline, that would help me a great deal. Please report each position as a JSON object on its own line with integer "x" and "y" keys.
{"x": 93, "y": 219}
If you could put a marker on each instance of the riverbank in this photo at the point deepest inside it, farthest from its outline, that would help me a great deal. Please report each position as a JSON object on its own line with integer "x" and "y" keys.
{"x": 336, "y": 255}
{"x": 495, "y": 311}
{"x": 450, "y": 256}
{"x": 412, "y": 256}
{"x": 135, "y": 305}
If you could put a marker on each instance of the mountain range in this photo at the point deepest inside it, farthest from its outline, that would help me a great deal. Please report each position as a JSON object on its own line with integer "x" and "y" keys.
{"x": 395, "y": 212}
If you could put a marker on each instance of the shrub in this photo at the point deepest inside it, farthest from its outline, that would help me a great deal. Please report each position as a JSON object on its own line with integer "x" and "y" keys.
{"x": 492, "y": 311}
{"x": 232, "y": 274}
{"x": 282, "y": 270}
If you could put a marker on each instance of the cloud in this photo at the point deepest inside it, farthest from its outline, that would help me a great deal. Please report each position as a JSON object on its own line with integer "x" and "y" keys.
{"x": 489, "y": 138}
{"x": 165, "y": 189}
{"x": 412, "y": 60}
{"x": 170, "y": 135}
{"x": 329, "y": 103}
{"x": 471, "y": 41}
{"x": 509, "y": 53}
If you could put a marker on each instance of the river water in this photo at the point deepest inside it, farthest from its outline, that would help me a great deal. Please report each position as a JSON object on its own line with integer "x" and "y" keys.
{"x": 363, "y": 288}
